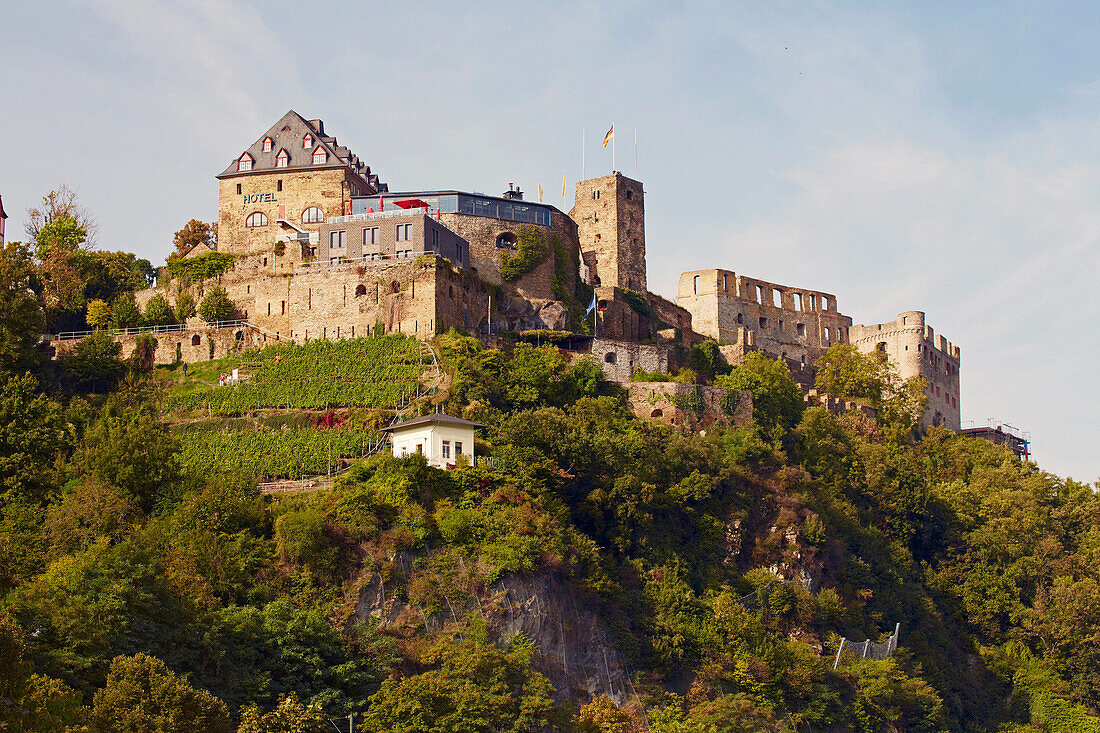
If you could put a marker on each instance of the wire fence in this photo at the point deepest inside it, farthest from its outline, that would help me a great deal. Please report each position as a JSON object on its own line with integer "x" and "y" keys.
{"x": 868, "y": 649}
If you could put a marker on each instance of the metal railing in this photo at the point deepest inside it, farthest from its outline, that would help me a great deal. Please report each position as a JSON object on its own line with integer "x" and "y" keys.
{"x": 172, "y": 328}
{"x": 379, "y": 258}
{"x": 372, "y": 215}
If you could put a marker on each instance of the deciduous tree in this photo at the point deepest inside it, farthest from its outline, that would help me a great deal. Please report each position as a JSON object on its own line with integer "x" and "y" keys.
{"x": 143, "y": 696}
{"x": 21, "y": 316}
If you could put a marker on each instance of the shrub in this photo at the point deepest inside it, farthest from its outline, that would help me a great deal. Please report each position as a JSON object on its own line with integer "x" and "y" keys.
{"x": 157, "y": 311}
{"x": 216, "y": 306}
{"x": 185, "y": 306}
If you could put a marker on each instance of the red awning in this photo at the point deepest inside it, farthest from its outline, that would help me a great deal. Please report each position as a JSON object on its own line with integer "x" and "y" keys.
{"x": 412, "y": 204}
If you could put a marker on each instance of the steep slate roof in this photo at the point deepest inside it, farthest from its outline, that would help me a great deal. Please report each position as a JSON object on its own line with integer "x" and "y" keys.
{"x": 437, "y": 417}
{"x": 339, "y": 156}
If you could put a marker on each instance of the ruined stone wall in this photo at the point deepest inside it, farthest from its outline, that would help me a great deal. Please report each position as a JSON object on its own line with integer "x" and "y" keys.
{"x": 194, "y": 343}
{"x": 792, "y": 322}
{"x": 918, "y": 351}
{"x": 689, "y": 405}
{"x": 610, "y": 217}
{"x": 619, "y": 358}
{"x": 280, "y": 194}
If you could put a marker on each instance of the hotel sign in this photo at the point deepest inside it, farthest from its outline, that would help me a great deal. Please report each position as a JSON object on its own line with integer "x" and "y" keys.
{"x": 255, "y": 198}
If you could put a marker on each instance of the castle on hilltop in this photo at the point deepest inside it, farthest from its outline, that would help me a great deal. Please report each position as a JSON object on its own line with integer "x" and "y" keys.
{"x": 323, "y": 249}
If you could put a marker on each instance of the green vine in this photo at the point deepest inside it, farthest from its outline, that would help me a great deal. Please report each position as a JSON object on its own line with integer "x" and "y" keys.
{"x": 203, "y": 267}
{"x": 531, "y": 251}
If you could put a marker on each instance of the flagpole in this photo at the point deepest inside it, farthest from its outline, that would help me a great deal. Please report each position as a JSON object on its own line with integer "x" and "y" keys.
{"x": 635, "y": 152}
{"x": 582, "y": 153}
{"x": 612, "y": 153}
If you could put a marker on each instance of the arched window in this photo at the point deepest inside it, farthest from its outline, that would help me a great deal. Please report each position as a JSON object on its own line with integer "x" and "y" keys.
{"x": 307, "y": 141}
{"x": 320, "y": 157}
{"x": 282, "y": 159}
{"x": 268, "y": 143}
{"x": 312, "y": 215}
{"x": 507, "y": 240}
{"x": 256, "y": 219}
{"x": 360, "y": 290}
{"x": 195, "y": 340}
{"x": 244, "y": 163}
{"x": 611, "y": 357}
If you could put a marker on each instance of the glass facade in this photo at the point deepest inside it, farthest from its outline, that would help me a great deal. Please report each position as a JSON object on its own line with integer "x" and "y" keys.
{"x": 464, "y": 203}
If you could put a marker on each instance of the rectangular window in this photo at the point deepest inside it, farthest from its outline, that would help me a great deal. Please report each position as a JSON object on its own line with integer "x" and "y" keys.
{"x": 763, "y": 322}
{"x": 408, "y": 232}
{"x": 800, "y": 329}
{"x": 338, "y": 239}
{"x": 458, "y": 448}
{"x": 797, "y": 297}
{"x": 813, "y": 299}
{"x": 725, "y": 282}
{"x": 826, "y": 334}
{"x": 370, "y": 235}
{"x": 420, "y": 448}
{"x": 446, "y": 449}
{"x": 695, "y": 284}
{"x": 777, "y": 298}
{"x": 333, "y": 260}
{"x": 824, "y": 303}
{"x": 760, "y": 294}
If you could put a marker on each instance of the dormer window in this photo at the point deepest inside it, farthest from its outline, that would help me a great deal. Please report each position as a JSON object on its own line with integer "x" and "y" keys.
{"x": 244, "y": 163}
{"x": 307, "y": 141}
{"x": 268, "y": 142}
{"x": 320, "y": 157}
{"x": 282, "y": 160}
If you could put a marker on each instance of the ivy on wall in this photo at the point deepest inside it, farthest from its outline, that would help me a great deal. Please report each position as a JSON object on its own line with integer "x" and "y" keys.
{"x": 203, "y": 267}
{"x": 532, "y": 249}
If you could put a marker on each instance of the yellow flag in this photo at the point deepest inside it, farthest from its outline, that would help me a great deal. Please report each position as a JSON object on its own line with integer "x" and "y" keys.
{"x": 563, "y": 186}
{"x": 540, "y": 192}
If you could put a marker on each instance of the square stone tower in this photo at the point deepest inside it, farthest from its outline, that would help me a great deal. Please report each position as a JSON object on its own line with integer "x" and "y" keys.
{"x": 610, "y": 217}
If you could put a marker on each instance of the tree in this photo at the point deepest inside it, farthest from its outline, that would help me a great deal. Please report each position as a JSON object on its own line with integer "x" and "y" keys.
{"x": 107, "y": 274}
{"x": 51, "y": 706}
{"x": 131, "y": 449}
{"x": 474, "y": 687}
{"x": 124, "y": 311}
{"x": 143, "y": 696}
{"x": 31, "y": 430}
{"x": 99, "y": 314}
{"x": 194, "y": 232}
{"x": 185, "y": 306}
{"x": 290, "y": 716}
{"x": 777, "y": 403}
{"x": 846, "y": 372}
{"x": 95, "y": 362}
{"x": 158, "y": 312}
{"x": 216, "y": 306}
{"x": 62, "y": 235}
{"x": 62, "y": 291}
{"x": 57, "y": 204}
{"x": 21, "y": 316}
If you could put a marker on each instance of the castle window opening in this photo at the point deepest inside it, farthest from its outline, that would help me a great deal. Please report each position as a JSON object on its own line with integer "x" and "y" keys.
{"x": 320, "y": 157}
{"x": 248, "y": 288}
{"x": 370, "y": 236}
{"x": 880, "y": 347}
{"x": 740, "y": 319}
{"x": 279, "y": 186}
{"x": 265, "y": 262}
{"x": 629, "y": 194}
{"x": 826, "y": 334}
{"x": 238, "y": 189}
{"x": 404, "y": 232}
{"x": 800, "y": 329}
{"x": 282, "y": 160}
{"x": 195, "y": 340}
{"x": 780, "y": 324}
{"x": 313, "y": 215}
{"x": 267, "y": 144}
{"x": 824, "y": 303}
{"x": 506, "y": 240}
{"x": 282, "y": 306}
{"x": 256, "y": 219}
{"x": 904, "y": 320}
{"x": 244, "y": 163}
{"x": 307, "y": 141}
{"x": 797, "y": 298}
{"x": 812, "y": 298}
{"x": 725, "y": 280}
{"x": 597, "y": 237}
{"x": 269, "y": 309}
{"x": 760, "y": 294}
{"x": 657, "y": 413}
{"x": 610, "y": 357}
{"x": 777, "y": 297}
{"x": 763, "y": 322}
{"x": 360, "y": 290}
{"x": 395, "y": 287}
{"x": 695, "y": 284}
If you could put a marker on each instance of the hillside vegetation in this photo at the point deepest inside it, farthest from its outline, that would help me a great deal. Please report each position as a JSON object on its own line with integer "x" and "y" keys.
{"x": 593, "y": 579}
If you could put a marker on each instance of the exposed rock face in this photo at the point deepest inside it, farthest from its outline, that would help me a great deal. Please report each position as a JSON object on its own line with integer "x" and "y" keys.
{"x": 574, "y": 647}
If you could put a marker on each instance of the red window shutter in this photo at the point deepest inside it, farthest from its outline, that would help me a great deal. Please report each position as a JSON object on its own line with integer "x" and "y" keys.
{"x": 282, "y": 212}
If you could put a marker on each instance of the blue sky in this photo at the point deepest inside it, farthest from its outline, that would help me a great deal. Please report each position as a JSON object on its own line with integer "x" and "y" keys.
{"x": 911, "y": 156}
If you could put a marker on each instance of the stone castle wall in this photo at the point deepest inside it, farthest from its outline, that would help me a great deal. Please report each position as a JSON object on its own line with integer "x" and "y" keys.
{"x": 792, "y": 322}
{"x": 194, "y": 343}
{"x": 690, "y": 406}
{"x": 918, "y": 351}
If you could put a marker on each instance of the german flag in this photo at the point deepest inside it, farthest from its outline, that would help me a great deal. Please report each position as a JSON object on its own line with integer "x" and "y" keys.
{"x": 610, "y": 134}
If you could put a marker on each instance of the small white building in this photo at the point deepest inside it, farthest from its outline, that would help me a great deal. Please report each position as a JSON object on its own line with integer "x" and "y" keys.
{"x": 439, "y": 438}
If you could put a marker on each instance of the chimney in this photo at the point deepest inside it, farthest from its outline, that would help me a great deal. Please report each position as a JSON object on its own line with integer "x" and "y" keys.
{"x": 319, "y": 126}
{"x": 513, "y": 193}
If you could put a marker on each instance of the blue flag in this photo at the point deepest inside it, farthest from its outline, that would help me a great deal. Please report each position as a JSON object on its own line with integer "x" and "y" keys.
{"x": 593, "y": 306}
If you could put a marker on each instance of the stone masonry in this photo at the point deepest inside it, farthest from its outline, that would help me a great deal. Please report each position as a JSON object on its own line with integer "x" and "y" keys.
{"x": 918, "y": 352}
{"x": 610, "y": 218}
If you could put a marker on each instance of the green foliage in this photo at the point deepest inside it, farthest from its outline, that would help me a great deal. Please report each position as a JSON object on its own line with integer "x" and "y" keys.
{"x": 106, "y": 275}
{"x": 705, "y": 360}
{"x": 372, "y": 372}
{"x": 130, "y": 448}
{"x": 61, "y": 235}
{"x": 776, "y": 400}
{"x": 32, "y": 431}
{"x": 887, "y": 697}
{"x": 470, "y": 687}
{"x": 99, "y": 313}
{"x": 95, "y": 362}
{"x": 872, "y": 378}
{"x": 532, "y": 250}
{"x": 125, "y": 312}
{"x": 194, "y": 233}
{"x": 143, "y": 696}
{"x": 301, "y": 540}
{"x": 216, "y": 306}
{"x": 157, "y": 311}
{"x": 201, "y": 267}
{"x": 290, "y": 716}
{"x": 21, "y": 316}
{"x": 185, "y": 306}
{"x": 637, "y": 302}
